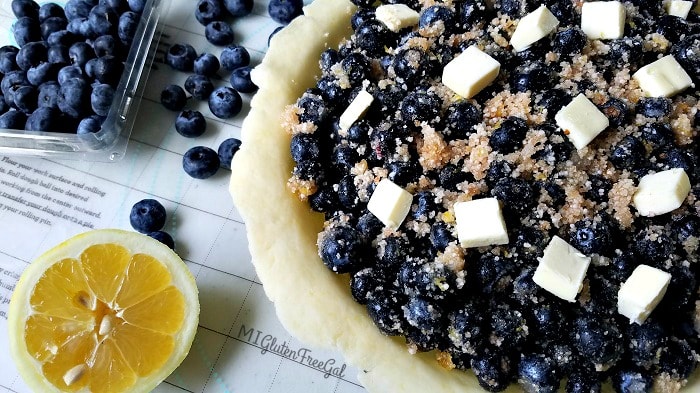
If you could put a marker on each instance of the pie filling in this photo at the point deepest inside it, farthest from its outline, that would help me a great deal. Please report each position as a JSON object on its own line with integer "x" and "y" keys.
{"x": 515, "y": 185}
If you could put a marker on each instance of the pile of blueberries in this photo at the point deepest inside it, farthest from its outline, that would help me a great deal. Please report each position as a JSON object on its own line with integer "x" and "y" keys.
{"x": 201, "y": 162}
{"x": 63, "y": 75}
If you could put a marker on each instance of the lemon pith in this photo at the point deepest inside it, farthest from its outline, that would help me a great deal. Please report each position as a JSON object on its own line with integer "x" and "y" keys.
{"x": 106, "y": 311}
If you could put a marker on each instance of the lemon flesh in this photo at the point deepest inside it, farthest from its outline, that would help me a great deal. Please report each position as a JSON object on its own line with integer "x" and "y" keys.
{"x": 105, "y": 311}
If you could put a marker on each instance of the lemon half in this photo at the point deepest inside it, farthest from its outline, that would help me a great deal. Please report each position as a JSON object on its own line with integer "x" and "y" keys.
{"x": 105, "y": 311}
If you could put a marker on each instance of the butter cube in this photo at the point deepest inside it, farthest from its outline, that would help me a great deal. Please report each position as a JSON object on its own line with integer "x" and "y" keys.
{"x": 602, "y": 20}
{"x": 396, "y": 16}
{"x": 355, "y": 110}
{"x": 470, "y": 72}
{"x": 642, "y": 292}
{"x": 663, "y": 78}
{"x": 480, "y": 223}
{"x": 661, "y": 192}
{"x": 390, "y": 203}
{"x": 679, "y": 8}
{"x": 561, "y": 270}
{"x": 533, "y": 27}
{"x": 581, "y": 121}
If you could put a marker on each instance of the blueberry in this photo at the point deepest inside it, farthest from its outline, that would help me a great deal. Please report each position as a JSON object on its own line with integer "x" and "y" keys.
{"x": 200, "y": 162}
{"x": 628, "y": 154}
{"x": 137, "y": 6}
{"x": 509, "y": 136}
{"x": 118, "y": 6}
{"x": 69, "y": 72}
{"x": 305, "y": 147}
{"x": 424, "y": 206}
{"x": 677, "y": 359}
{"x": 239, "y": 8}
{"x": 685, "y": 227}
{"x": 225, "y": 102}
{"x": 583, "y": 381}
{"x": 208, "y": 11}
{"x": 44, "y": 119}
{"x": 52, "y": 25}
{"x": 199, "y": 86}
{"x": 437, "y": 16}
{"x": 535, "y": 76}
{"x": 108, "y": 69}
{"x": 342, "y": 249}
{"x": 128, "y": 24}
{"x": 467, "y": 327}
{"x": 515, "y": 193}
{"x": 598, "y": 340}
{"x": 569, "y": 42}
{"x": 173, "y": 97}
{"x": 90, "y": 125}
{"x": 598, "y": 189}
{"x": 373, "y": 36}
{"x": 451, "y": 176}
{"x": 8, "y": 59}
{"x": 616, "y": 111}
{"x": 219, "y": 33}
{"x": 190, "y": 123}
{"x": 420, "y": 106}
{"x": 58, "y": 54}
{"x": 147, "y": 215}
{"x": 312, "y": 109}
{"x": 104, "y": 20}
{"x": 548, "y": 320}
{"x": 404, "y": 172}
{"x": 369, "y": 226}
{"x": 227, "y": 150}
{"x": 241, "y": 81}
{"x": 654, "y": 106}
{"x": 672, "y": 27}
{"x": 422, "y": 314}
{"x": 652, "y": 243}
{"x": 13, "y": 120}
{"x": 592, "y": 237}
{"x": 687, "y": 54}
{"x": 42, "y": 73}
{"x": 63, "y": 37}
{"x": 101, "y": 98}
{"x": 360, "y": 16}
{"x": 234, "y": 56}
{"x": 657, "y": 135}
{"x": 364, "y": 284}
{"x": 461, "y": 118}
{"x": 430, "y": 280}
{"x": 162, "y": 236}
{"x": 359, "y": 132}
{"x": 498, "y": 170}
{"x": 329, "y": 58}
{"x": 283, "y": 11}
{"x": 50, "y": 10}
{"x": 538, "y": 373}
{"x": 206, "y": 64}
{"x": 440, "y": 236}
{"x": 552, "y": 100}
{"x": 106, "y": 45}
{"x": 325, "y": 199}
{"x": 626, "y": 51}
{"x": 80, "y": 52}
{"x": 31, "y": 55}
{"x": 470, "y": 12}
{"x": 631, "y": 381}
{"x": 493, "y": 370}
{"x": 181, "y": 57}
{"x": 356, "y": 67}
{"x": 646, "y": 342}
{"x": 28, "y": 8}
{"x": 386, "y": 313}
{"x": 74, "y": 97}
{"x": 410, "y": 65}
{"x": 26, "y": 30}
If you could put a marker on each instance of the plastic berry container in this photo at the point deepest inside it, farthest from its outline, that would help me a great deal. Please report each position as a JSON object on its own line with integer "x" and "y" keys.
{"x": 110, "y": 142}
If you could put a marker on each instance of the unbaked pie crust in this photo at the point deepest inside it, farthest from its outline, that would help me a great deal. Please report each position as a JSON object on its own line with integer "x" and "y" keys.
{"x": 313, "y": 303}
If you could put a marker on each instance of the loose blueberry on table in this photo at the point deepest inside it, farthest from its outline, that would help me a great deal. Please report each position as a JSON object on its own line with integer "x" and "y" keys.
{"x": 147, "y": 215}
{"x": 227, "y": 149}
{"x": 568, "y": 139}
{"x": 201, "y": 162}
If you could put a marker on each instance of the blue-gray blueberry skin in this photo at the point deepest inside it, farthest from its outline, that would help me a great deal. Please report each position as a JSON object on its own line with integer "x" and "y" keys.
{"x": 208, "y": 11}
{"x": 190, "y": 124}
{"x": 199, "y": 86}
{"x": 233, "y": 57}
{"x": 173, "y": 97}
{"x": 283, "y": 11}
{"x": 147, "y": 215}
{"x": 101, "y": 99}
{"x": 227, "y": 150}
{"x": 163, "y": 237}
{"x": 206, "y": 64}
{"x": 219, "y": 33}
{"x": 201, "y": 162}
{"x": 241, "y": 81}
{"x": 181, "y": 57}
{"x": 239, "y": 8}
{"x": 45, "y": 119}
{"x": 225, "y": 102}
